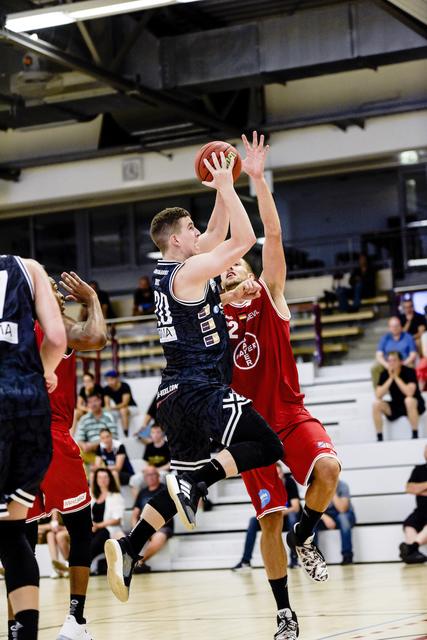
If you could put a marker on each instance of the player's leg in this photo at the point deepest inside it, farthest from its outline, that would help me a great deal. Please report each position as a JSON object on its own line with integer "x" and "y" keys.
{"x": 310, "y": 455}
{"x": 380, "y": 408}
{"x": 79, "y": 527}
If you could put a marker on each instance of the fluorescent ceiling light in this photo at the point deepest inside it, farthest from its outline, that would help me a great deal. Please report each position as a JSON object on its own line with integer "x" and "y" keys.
{"x": 409, "y": 157}
{"x": 33, "y": 21}
{"x": 87, "y": 10}
{"x": 116, "y": 8}
{"x": 417, "y": 262}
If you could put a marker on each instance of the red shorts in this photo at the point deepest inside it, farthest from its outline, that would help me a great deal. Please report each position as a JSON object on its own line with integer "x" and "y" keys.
{"x": 64, "y": 486}
{"x": 304, "y": 444}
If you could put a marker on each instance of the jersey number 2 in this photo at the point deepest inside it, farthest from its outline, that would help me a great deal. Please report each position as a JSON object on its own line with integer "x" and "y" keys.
{"x": 3, "y": 286}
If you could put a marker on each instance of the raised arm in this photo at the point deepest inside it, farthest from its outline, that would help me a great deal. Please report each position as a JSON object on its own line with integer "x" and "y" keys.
{"x": 190, "y": 280}
{"x": 92, "y": 333}
{"x": 217, "y": 228}
{"x": 49, "y": 316}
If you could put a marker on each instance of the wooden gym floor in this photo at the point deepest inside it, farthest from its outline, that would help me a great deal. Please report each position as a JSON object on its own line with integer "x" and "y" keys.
{"x": 360, "y": 602}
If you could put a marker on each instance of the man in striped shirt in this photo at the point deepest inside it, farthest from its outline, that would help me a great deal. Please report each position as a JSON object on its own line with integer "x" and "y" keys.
{"x": 91, "y": 425}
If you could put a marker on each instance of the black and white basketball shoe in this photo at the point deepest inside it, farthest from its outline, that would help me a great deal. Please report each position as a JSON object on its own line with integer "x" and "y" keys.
{"x": 287, "y": 625}
{"x": 186, "y": 495}
{"x": 311, "y": 557}
{"x": 120, "y": 565}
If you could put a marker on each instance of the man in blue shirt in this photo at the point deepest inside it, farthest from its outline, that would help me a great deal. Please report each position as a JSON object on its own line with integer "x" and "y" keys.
{"x": 395, "y": 340}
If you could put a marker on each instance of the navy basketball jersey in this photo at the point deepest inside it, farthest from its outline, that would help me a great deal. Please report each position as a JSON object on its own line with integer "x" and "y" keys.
{"x": 194, "y": 335}
{"x": 22, "y": 385}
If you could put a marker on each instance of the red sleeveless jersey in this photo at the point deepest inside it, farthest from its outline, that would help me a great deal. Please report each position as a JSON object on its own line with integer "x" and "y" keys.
{"x": 63, "y": 399}
{"x": 264, "y": 368}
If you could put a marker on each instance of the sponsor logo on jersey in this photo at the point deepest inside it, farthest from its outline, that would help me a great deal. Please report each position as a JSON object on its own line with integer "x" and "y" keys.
{"x": 246, "y": 354}
{"x": 264, "y": 497}
{"x": 323, "y": 445}
{"x": 211, "y": 340}
{"x": 9, "y": 332}
{"x": 166, "y": 390}
{"x": 167, "y": 334}
{"x": 207, "y": 325}
{"x": 213, "y": 285}
{"x": 204, "y": 312}
{"x": 253, "y": 314}
{"x": 243, "y": 316}
{"x": 72, "y": 502}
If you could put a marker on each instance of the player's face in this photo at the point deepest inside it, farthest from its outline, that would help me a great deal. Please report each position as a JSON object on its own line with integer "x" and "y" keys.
{"x": 234, "y": 275}
{"x": 188, "y": 236}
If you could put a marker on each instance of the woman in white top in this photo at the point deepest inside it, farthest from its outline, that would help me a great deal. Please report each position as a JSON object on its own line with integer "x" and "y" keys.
{"x": 108, "y": 507}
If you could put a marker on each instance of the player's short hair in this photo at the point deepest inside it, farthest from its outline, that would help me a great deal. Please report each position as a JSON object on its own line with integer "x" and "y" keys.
{"x": 164, "y": 224}
{"x": 247, "y": 265}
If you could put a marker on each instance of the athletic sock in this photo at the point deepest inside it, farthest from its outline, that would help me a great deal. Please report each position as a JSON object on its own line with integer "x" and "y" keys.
{"x": 279, "y": 588}
{"x": 138, "y": 537}
{"x": 307, "y": 523}
{"x": 26, "y": 625}
{"x": 413, "y": 548}
{"x": 210, "y": 473}
{"x": 77, "y": 605}
{"x": 414, "y": 434}
{"x": 379, "y": 437}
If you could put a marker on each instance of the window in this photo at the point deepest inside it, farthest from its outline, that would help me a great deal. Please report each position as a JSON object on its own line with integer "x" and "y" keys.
{"x": 55, "y": 241}
{"x": 109, "y": 232}
{"x": 15, "y": 237}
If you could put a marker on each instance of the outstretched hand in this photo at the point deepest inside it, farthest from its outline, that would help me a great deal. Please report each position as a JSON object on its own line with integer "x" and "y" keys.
{"x": 247, "y": 290}
{"x": 222, "y": 172}
{"x": 78, "y": 289}
{"x": 256, "y": 154}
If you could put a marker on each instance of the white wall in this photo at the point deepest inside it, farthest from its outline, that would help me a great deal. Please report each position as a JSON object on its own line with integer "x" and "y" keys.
{"x": 76, "y": 182}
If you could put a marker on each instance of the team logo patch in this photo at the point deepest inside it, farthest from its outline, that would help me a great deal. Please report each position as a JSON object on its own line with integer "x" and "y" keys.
{"x": 246, "y": 354}
{"x": 264, "y": 497}
{"x": 323, "y": 445}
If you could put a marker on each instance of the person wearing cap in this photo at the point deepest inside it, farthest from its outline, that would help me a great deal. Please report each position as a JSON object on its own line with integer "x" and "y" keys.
{"x": 118, "y": 397}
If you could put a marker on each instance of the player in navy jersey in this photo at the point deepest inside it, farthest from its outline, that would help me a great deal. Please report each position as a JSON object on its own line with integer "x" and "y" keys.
{"x": 25, "y": 440}
{"x": 195, "y": 403}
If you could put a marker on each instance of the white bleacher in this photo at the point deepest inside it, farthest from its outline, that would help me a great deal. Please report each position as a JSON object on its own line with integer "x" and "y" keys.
{"x": 341, "y": 397}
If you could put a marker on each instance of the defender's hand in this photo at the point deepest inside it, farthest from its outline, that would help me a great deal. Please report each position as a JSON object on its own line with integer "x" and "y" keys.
{"x": 246, "y": 290}
{"x": 78, "y": 289}
{"x": 256, "y": 154}
{"x": 51, "y": 380}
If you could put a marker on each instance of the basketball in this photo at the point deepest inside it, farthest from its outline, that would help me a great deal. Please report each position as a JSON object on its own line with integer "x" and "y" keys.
{"x": 205, "y": 153}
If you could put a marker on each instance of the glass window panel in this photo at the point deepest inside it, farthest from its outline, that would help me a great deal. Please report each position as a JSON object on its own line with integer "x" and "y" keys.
{"x": 55, "y": 240}
{"x": 15, "y": 237}
{"x": 109, "y": 231}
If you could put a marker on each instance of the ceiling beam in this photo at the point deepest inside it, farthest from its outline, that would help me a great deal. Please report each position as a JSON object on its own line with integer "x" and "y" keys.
{"x": 133, "y": 90}
{"x": 404, "y": 17}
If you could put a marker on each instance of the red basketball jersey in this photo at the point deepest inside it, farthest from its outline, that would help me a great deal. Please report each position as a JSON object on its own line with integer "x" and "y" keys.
{"x": 63, "y": 399}
{"x": 264, "y": 368}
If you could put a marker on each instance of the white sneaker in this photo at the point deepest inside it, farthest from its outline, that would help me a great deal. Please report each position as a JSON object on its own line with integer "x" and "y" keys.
{"x": 72, "y": 630}
{"x": 55, "y": 575}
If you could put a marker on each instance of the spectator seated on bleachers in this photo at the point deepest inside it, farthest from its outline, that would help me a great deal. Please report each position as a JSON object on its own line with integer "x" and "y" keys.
{"x": 156, "y": 454}
{"x": 362, "y": 285}
{"x": 118, "y": 397}
{"x": 340, "y": 515}
{"x": 400, "y": 382}
{"x": 143, "y": 298}
{"x": 415, "y": 525}
{"x": 89, "y": 428}
{"x": 395, "y": 340}
{"x": 112, "y": 454}
{"x": 422, "y": 363}
{"x": 412, "y": 322}
{"x": 108, "y": 508}
{"x": 49, "y": 531}
{"x": 291, "y": 518}
{"x": 160, "y": 537}
{"x": 89, "y": 387}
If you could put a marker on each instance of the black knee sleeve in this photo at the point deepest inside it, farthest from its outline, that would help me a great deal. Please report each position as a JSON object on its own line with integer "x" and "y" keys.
{"x": 79, "y": 527}
{"x": 32, "y": 533}
{"x": 17, "y": 557}
{"x": 163, "y": 504}
{"x": 253, "y": 443}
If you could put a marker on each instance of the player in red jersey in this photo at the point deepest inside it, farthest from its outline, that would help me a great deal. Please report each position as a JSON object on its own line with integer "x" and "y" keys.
{"x": 65, "y": 486}
{"x": 264, "y": 370}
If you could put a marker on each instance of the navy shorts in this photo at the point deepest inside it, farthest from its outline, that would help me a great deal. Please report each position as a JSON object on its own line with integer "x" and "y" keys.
{"x": 195, "y": 415}
{"x": 25, "y": 455}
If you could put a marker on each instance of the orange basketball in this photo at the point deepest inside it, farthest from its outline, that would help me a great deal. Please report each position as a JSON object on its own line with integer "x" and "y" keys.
{"x": 206, "y": 152}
